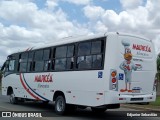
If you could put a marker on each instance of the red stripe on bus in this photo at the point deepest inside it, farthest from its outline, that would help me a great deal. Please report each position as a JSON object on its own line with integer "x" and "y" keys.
{"x": 28, "y": 89}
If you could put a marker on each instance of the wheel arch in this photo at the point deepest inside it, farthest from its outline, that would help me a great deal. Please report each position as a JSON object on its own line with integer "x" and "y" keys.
{"x": 58, "y": 93}
{"x": 9, "y": 90}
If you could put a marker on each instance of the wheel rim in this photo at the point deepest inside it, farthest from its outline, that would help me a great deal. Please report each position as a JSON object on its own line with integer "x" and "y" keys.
{"x": 60, "y": 105}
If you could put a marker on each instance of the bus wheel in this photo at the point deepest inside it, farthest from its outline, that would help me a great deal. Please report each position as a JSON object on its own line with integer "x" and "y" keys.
{"x": 99, "y": 110}
{"x": 60, "y": 105}
{"x": 13, "y": 99}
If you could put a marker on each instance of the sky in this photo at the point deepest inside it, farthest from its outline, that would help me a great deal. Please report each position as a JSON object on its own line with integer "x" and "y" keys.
{"x": 27, "y": 23}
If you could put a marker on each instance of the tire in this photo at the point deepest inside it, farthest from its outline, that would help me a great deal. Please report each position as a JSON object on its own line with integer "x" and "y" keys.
{"x": 13, "y": 99}
{"x": 99, "y": 110}
{"x": 60, "y": 105}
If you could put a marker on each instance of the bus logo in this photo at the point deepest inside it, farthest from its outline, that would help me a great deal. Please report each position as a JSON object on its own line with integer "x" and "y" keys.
{"x": 142, "y": 47}
{"x": 43, "y": 78}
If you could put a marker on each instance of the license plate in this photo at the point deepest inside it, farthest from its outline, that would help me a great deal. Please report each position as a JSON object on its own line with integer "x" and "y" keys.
{"x": 135, "y": 91}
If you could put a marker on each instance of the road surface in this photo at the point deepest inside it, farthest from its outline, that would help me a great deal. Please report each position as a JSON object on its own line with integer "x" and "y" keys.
{"x": 79, "y": 114}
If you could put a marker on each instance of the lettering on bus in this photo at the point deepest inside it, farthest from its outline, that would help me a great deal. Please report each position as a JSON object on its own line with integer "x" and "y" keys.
{"x": 141, "y": 47}
{"x": 43, "y": 78}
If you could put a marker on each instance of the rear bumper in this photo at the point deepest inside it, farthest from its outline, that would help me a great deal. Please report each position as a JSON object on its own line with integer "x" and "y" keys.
{"x": 137, "y": 98}
{"x": 120, "y": 98}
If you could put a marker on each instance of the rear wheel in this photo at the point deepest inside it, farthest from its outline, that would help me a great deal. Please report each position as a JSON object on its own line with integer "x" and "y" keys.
{"x": 13, "y": 99}
{"x": 60, "y": 105}
{"x": 99, "y": 110}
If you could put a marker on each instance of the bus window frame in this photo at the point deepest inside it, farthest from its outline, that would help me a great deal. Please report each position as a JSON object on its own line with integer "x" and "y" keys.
{"x": 104, "y": 39}
{"x": 52, "y": 57}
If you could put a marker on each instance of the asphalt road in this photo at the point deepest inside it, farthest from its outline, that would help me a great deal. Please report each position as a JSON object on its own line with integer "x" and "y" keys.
{"x": 79, "y": 114}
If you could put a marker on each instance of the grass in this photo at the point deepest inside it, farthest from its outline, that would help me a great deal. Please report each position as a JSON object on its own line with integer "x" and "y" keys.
{"x": 157, "y": 102}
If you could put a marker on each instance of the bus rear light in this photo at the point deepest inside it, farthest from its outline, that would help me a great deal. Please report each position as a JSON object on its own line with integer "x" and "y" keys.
{"x": 114, "y": 80}
{"x": 122, "y": 98}
{"x": 114, "y": 86}
{"x": 113, "y": 74}
{"x": 99, "y": 93}
{"x": 149, "y": 98}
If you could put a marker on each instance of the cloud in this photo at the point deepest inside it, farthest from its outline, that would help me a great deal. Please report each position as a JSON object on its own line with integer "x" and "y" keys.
{"x": 131, "y": 3}
{"x": 79, "y": 2}
{"x": 23, "y": 24}
{"x": 51, "y": 4}
{"x": 135, "y": 19}
{"x": 93, "y": 12}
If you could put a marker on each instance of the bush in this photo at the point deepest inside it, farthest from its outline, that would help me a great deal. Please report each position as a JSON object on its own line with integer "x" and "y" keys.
{"x": 0, "y": 75}
{"x": 0, "y": 78}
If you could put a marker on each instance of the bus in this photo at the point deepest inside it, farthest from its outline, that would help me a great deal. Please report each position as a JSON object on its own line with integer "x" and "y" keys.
{"x": 99, "y": 71}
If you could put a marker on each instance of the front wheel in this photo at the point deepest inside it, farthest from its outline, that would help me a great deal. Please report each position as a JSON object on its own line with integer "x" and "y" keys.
{"x": 13, "y": 99}
{"x": 99, "y": 110}
{"x": 60, "y": 105}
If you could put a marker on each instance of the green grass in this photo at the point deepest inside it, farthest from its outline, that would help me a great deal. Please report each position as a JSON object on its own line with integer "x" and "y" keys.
{"x": 157, "y": 102}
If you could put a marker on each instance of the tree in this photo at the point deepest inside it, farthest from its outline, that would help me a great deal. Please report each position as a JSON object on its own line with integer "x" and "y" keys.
{"x": 158, "y": 66}
{"x": 0, "y": 78}
{"x": 158, "y": 63}
{"x": 0, "y": 75}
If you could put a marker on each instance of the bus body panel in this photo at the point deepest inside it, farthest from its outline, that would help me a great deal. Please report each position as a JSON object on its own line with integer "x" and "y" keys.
{"x": 135, "y": 76}
{"x": 96, "y": 87}
{"x": 32, "y": 85}
{"x": 142, "y": 67}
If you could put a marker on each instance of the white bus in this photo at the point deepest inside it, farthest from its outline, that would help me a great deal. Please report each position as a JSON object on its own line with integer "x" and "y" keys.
{"x": 99, "y": 71}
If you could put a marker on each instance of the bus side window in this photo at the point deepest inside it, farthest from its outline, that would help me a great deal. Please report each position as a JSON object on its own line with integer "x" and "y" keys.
{"x": 90, "y": 54}
{"x": 64, "y": 58}
{"x": 6, "y": 66}
{"x": 70, "y": 57}
{"x": 97, "y": 50}
{"x": 60, "y": 64}
{"x": 11, "y": 65}
{"x": 84, "y": 59}
{"x": 60, "y": 58}
{"x": 23, "y": 62}
{"x": 47, "y": 59}
{"x": 30, "y": 61}
{"x": 38, "y": 61}
{"x": 97, "y": 61}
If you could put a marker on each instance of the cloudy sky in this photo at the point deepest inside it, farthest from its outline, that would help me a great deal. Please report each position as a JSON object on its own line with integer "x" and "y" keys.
{"x": 26, "y": 23}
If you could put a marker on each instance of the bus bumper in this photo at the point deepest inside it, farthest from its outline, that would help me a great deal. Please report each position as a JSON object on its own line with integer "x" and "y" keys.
{"x": 121, "y": 98}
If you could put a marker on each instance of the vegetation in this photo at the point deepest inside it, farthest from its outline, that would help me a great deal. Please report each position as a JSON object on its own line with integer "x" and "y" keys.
{"x": 0, "y": 78}
{"x": 158, "y": 62}
{"x": 158, "y": 66}
{"x": 157, "y": 102}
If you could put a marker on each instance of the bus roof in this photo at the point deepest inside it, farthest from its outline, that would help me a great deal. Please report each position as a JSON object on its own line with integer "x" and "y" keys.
{"x": 72, "y": 39}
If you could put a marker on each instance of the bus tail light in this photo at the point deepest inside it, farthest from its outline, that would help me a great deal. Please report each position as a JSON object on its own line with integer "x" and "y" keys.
{"x": 149, "y": 97}
{"x": 113, "y": 80}
{"x": 122, "y": 98}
